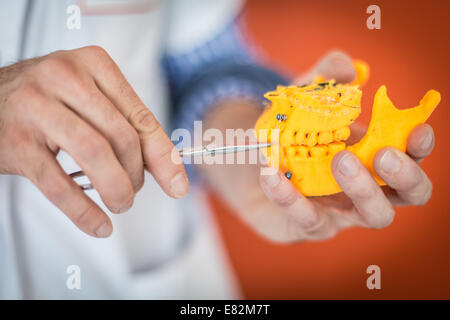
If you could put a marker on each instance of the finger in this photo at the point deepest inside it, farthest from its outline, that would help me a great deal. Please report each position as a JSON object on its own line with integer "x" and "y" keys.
{"x": 88, "y": 148}
{"x": 334, "y": 65}
{"x": 280, "y": 191}
{"x": 341, "y": 210}
{"x": 337, "y": 65}
{"x": 64, "y": 193}
{"x": 81, "y": 94}
{"x": 156, "y": 146}
{"x": 404, "y": 175}
{"x": 357, "y": 132}
{"x": 359, "y": 185}
{"x": 420, "y": 142}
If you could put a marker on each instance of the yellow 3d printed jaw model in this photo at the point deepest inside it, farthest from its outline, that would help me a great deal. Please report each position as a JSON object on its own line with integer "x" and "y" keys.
{"x": 313, "y": 124}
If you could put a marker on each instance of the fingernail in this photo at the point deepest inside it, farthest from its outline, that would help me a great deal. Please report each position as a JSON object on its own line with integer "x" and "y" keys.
{"x": 427, "y": 141}
{"x": 104, "y": 230}
{"x": 272, "y": 180}
{"x": 126, "y": 207}
{"x": 347, "y": 165}
{"x": 390, "y": 162}
{"x": 179, "y": 185}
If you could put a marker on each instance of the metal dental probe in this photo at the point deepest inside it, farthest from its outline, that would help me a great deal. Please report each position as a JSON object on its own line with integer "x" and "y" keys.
{"x": 193, "y": 152}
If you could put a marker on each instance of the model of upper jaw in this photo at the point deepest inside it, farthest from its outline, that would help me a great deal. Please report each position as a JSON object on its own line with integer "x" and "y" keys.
{"x": 313, "y": 121}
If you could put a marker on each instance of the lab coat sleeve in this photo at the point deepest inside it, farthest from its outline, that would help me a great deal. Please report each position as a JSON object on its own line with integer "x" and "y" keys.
{"x": 210, "y": 58}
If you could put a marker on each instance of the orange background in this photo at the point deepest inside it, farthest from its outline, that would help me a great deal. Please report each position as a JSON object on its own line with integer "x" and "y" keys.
{"x": 410, "y": 54}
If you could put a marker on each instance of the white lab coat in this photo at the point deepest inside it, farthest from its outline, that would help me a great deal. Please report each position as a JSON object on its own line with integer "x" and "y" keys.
{"x": 159, "y": 249}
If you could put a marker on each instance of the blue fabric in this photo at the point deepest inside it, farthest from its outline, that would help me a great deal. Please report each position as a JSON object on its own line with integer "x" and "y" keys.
{"x": 224, "y": 67}
{"x": 227, "y": 45}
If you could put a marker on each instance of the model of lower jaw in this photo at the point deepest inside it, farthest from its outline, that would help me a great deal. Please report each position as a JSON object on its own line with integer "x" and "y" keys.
{"x": 313, "y": 123}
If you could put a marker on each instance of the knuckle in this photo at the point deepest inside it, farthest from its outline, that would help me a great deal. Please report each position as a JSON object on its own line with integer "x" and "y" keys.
{"x": 57, "y": 70}
{"x": 284, "y": 199}
{"x": 26, "y": 91}
{"x": 423, "y": 196}
{"x": 84, "y": 217}
{"x": 27, "y": 99}
{"x": 55, "y": 188}
{"x": 54, "y": 66}
{"x": 380, "y": 218}
{"x": 97, "y": 51}
{"x": 144, "y": 120}
{"x": 97, "y": 55}
{"x": 385, "y": 219}
{"x": 415, "y": 178}
{"x": 312, "y": 224}
{"x": 411, "y": 180}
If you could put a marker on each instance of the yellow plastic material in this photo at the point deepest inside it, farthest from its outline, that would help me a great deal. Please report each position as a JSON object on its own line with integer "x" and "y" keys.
{"x": 313, "y": 123}
{"x": 362, "y": 72}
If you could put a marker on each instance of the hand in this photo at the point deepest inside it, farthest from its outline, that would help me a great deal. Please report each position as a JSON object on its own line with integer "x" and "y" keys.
{"x": 273, "y": 207}
{"x": 363, "y": 202}
{"x": 80, "y": 102}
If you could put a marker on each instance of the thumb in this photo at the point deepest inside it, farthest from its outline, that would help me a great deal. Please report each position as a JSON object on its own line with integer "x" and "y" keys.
{"x": 334, "y": 65}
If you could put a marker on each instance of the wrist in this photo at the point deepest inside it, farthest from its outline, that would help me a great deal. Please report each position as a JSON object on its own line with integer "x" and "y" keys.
{"x": 235, "y": 113}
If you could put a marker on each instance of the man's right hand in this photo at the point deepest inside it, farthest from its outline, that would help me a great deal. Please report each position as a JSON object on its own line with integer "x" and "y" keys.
{"x": 80, "y": 102}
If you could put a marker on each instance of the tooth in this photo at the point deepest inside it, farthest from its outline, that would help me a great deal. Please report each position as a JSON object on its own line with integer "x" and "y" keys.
{"x": 335, "y": 147}
{"x": 299, "y": 138}
{"x": 302, "y": 152}
{"x": 342, "y": 134}
{"x": 311, "y": 139}
{"x": 291, "y": 151}
{"x": 318, "y": 151}
{"x": 287, "y": 138}
{"x": 325, "y": 137}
